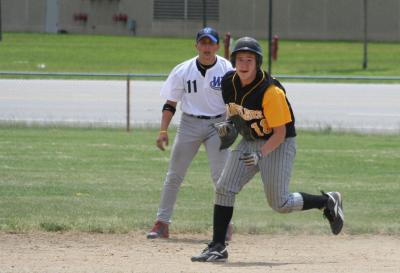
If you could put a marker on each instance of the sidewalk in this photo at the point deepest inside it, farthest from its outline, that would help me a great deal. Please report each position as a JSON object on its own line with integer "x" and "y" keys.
{"x": 356, "y": 107}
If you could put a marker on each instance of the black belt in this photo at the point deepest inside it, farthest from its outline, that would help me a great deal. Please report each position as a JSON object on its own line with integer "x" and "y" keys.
{"x": 204, "y": 117}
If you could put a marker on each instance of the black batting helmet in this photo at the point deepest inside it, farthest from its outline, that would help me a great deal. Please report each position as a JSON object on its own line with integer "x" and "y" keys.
{"x": 247, "y": 44}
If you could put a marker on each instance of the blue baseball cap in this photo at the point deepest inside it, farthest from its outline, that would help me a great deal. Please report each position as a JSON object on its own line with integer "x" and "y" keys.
{"x": 208, "y": 32}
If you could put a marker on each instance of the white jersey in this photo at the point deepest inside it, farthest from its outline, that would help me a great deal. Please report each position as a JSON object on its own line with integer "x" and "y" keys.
{"x": 200, "y": 96}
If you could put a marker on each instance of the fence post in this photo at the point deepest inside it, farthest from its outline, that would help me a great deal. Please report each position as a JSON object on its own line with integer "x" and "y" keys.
{"x": 365, "y": 60}
{"x": 270, "y": 37}
{"x": 128, "y": 104}
{"x": 1, "y": 29}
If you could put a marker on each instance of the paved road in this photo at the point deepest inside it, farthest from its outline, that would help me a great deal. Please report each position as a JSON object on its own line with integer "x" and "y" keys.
{"x": 359, "y": 107}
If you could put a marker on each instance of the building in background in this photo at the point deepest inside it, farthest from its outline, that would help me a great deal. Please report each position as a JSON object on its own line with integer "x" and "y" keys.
{"x": 293, "y": 19}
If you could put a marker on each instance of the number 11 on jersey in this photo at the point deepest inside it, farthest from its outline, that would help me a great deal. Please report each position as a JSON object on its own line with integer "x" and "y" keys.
{"x": 189, "y": 85}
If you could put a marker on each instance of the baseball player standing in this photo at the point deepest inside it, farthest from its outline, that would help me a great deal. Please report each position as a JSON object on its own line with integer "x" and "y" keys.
{"x": 196, "y": 83}
{"x": 260, "y": 111}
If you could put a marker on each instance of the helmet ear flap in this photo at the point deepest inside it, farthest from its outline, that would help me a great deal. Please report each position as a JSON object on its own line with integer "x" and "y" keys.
{"x": 259, "y": 60}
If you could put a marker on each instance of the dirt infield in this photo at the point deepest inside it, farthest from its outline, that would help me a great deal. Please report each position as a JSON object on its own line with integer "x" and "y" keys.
{"x": 110, "y": 253}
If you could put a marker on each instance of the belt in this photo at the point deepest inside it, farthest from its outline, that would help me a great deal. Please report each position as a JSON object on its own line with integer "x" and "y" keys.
{"x": 205, "y": 117}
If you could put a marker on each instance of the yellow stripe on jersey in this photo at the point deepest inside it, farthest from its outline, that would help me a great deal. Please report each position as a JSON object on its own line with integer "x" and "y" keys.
{"x": 275, "y": 107}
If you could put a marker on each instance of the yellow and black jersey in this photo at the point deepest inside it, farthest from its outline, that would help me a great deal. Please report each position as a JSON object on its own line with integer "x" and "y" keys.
{"x": 262, "y": 104}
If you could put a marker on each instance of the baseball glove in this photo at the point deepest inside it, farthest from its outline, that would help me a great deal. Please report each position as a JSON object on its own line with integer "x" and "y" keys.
{"x": 242, "y": 127}
{"x": 226, "y": 132}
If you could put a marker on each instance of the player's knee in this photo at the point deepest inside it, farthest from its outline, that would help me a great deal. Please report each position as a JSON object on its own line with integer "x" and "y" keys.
{"x": 280, "y": 207}
{"x": 292, "y": 202}
{"x": 223, "y": 189}
{"x": 173, "y": 180}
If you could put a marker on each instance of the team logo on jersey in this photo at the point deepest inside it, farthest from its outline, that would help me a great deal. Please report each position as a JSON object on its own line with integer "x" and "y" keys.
{"x": 216, "y": 83}
{"x": 246, "y": 114}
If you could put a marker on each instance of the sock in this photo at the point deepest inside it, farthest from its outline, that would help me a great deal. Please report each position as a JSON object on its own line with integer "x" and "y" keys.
{"x": 222, "y": 218}
{"x": 313, "y": 201}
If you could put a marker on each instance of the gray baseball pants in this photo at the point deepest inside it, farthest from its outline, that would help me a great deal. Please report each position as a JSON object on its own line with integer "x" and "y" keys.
{"x": 275, "y": 169}
{"x": 191, "y": 133}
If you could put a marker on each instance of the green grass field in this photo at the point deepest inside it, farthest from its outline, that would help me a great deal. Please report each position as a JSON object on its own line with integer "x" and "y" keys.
{"x": 107, "y": 180}
{"x": 121, "y": 54}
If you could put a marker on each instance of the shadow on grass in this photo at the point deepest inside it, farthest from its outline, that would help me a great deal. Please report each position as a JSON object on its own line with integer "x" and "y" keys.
{"x": 53, "y": 227}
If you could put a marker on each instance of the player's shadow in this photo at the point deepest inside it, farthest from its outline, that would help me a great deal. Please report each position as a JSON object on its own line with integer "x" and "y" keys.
{"x": 187, "y": 241}
{"x": 265, "y": 264}
{"x": 250, "y": 264}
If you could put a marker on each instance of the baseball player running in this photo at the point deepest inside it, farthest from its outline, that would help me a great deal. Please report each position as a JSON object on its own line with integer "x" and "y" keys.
{"x": 196, "y": 83}
{"x": 260, "y": 111}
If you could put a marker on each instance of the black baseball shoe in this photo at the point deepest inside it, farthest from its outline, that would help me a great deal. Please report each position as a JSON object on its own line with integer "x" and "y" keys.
{"x": 334, "y": 211}
{"x": 214, "y": 252}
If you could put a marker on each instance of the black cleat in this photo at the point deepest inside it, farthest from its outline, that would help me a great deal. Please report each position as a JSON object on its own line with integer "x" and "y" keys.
{"x": 212, "y": 253}
{"x": 334, "y": 211}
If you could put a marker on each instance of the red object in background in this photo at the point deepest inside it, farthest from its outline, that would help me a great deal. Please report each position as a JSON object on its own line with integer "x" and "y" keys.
{"x": 275, "y": 41}
{"x": 84, "y": 17}
{"x": 120, "y": 17}
{"x": 123, "y": 17}
{"x": 81, "y": 17}
{"x": 227, "y": 41}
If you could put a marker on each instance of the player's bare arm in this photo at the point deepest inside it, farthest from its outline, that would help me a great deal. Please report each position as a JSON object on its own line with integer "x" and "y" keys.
{"x": 167, "y": 114}
{"x": 275, "y": 140}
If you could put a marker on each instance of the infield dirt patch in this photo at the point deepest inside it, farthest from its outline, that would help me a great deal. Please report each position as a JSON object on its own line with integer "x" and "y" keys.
{"x": 111, "y": 253}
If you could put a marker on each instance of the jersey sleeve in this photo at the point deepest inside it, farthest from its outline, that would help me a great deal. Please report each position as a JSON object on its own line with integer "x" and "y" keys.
{"x": 275, "y": 107}
{"x": 173, "y": 88}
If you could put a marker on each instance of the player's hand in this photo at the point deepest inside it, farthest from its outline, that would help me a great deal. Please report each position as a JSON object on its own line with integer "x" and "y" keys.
{"x": 224, "y": 128}
{"x": 251, "y": 159}
{"x": 162, "y": 140}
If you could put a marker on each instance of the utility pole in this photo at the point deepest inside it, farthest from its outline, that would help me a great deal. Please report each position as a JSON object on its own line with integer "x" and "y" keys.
{"x": 365, "y": 61}
{"x": 1, "y": 31}
{"x": 204, "y": 13}
{"x": 270, "y": 38}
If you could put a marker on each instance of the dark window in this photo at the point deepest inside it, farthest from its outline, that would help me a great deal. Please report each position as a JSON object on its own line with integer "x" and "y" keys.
{"x": 169, "y": 9}
{"x": 185, "y": 9}
{"x": 195, "y": 9}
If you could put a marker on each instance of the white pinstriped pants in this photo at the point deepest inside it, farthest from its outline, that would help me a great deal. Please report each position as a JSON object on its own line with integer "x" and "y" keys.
{"x": 275, "y": 169}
